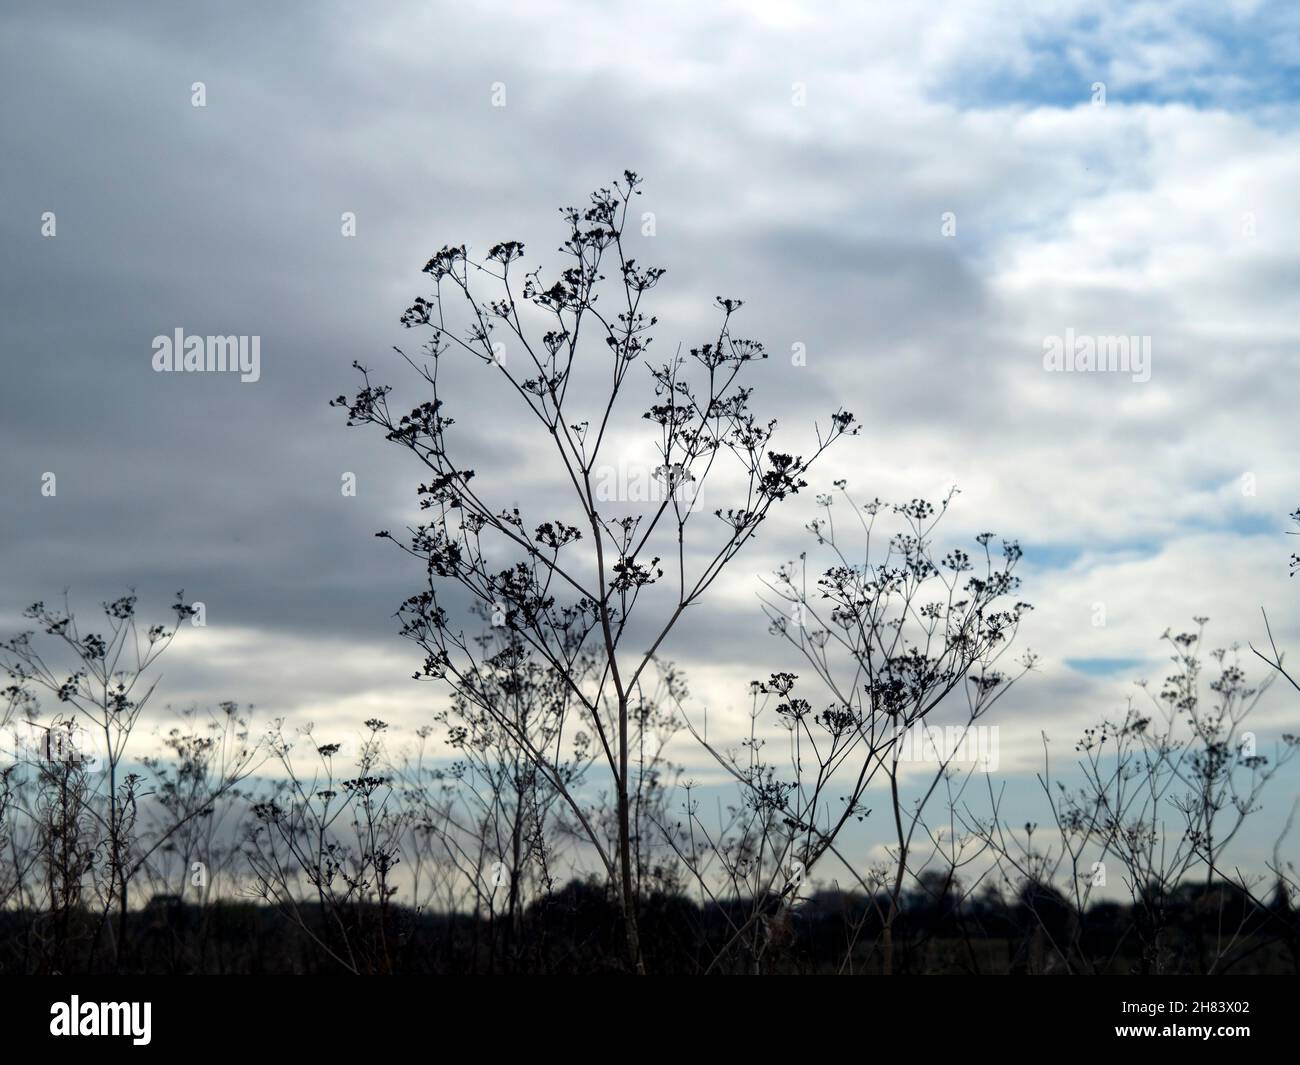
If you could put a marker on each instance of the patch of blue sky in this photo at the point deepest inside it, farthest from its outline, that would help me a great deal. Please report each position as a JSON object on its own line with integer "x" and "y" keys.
{"x": 1206, "y": 58}
{"x": 1064, "y": 555}
{"x": 1103, "y": 667}
{"x": 1268, "y": 525}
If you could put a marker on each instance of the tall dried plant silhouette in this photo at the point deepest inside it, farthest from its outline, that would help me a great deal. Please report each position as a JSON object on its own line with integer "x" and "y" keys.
{"x": 1164, "y": 790}
{"x": 92, "y": 822}
{"x": 492, "y": 815}
{"x": 890, "y": 634}
{"x": 331, "y": 831}
{"x": 569, "y": 589}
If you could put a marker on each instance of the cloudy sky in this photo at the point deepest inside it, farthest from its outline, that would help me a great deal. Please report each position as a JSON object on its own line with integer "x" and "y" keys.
{"x": 918, "y": 194}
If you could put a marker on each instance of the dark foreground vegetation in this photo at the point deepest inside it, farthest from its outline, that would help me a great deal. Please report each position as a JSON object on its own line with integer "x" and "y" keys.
{"x": 577, "y": 931}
